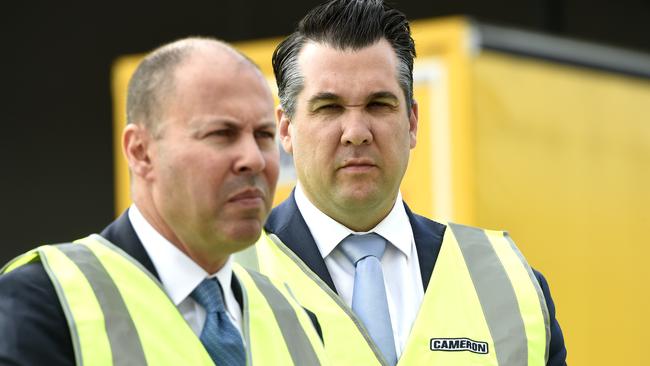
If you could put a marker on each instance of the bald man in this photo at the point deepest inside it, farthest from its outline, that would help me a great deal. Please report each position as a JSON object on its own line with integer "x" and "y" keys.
{"x": 158, "y": 285}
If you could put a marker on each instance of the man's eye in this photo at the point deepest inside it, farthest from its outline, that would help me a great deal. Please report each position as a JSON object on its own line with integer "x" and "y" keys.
{"x": 226, "y": 132}
{"x": 265, "y": 135}
{"x": 377, "y": 105}
{"x": 329, "y": 108}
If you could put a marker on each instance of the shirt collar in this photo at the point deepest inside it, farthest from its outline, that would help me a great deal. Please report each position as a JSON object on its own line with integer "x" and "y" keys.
{"x": 328, "y": 233}
{"x": 178, "y": 273}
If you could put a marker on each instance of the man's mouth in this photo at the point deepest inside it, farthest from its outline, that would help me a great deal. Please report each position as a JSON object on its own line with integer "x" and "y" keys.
{"x": 249, "y": 196}
{"x": 358, "y": 165}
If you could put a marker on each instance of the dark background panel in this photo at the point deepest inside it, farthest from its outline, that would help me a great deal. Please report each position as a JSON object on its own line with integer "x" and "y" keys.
{"x": 56, "y": 181}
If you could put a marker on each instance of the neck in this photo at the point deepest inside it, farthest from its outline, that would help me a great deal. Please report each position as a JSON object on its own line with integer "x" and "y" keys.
{"x": 359, "y": 221}
{"x": 358, "y": 217}
{"x": 210, "y": 262}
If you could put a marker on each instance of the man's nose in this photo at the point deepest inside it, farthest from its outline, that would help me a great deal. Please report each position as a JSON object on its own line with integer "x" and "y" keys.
{"x": 250, "y": 158}
{"x": 356, "y": 129}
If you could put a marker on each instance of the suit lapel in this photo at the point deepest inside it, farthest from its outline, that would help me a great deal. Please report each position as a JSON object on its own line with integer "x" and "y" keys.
{"x": 428, "y": 236}
{"x": 287, "y": 223}
{"x": 120, "y": 232}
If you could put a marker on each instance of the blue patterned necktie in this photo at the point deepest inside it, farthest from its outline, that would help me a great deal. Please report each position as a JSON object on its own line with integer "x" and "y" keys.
{"x": 219, "y": 336}
{"x": 369, "y": 300}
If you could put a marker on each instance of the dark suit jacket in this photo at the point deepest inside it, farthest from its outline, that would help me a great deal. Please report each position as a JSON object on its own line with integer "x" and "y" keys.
{"x": 288, "y": 224}
{"x": 33, "y": 328}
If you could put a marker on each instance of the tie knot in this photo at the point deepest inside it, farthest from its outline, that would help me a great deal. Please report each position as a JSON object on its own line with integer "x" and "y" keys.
{"x": 208, "y": 294}
{"x": 357, "y": 247}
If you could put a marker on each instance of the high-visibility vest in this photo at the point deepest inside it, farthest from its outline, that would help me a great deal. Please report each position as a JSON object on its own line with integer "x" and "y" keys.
{"x": 119, "y": 314}
{"x": 483, "y": 305}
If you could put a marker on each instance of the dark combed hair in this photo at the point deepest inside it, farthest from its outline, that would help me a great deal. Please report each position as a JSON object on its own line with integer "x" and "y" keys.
{"x": 344, "y": 24}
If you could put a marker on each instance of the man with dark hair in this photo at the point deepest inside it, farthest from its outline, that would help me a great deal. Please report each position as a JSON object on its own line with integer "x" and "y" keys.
{"x": 158, "y": 285}
{"x": 387, "y": 284}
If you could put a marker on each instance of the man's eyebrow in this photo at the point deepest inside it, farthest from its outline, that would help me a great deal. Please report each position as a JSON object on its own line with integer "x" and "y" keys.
{"x": 226, "y": 123}
{"x": 203, "y": 122}
{"x": 266, "y": 125}
{"x": 383, "y": 95}
{"x": 323, "y": 96}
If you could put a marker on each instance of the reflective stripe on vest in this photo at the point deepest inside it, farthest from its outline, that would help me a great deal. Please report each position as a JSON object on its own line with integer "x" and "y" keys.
{"x": 483, "y": 305}
{"x": 107, "y": 296}
{"x": 295, "y": 334}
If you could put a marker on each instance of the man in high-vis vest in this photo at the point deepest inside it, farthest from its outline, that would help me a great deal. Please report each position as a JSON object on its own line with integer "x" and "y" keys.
{"x": 388, "y": 286}
{"x": 158, "y": 286}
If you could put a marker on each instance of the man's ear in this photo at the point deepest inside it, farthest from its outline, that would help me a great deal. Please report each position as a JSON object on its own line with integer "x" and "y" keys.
{"x": 413, "y": 123}
{"x": 284, "y": 128}
{"x": 136, "y": 142}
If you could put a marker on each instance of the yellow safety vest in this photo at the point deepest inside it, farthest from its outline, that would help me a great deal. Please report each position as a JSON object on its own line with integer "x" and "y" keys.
{"x": 119, "y": 314}
{"x": 483, "y": 305}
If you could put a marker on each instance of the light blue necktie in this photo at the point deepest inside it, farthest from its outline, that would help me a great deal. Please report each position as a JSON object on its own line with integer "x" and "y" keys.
{"x": 219, "y": 336}
{"x": 369, "y": 300}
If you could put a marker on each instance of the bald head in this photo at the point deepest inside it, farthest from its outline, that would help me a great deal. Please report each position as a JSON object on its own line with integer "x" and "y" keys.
{"x": 153, "y": 81}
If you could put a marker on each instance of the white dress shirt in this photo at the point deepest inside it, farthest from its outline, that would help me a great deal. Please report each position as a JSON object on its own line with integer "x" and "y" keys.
{"x": 180, "y": 275}
{"x": 400, "y": 265}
